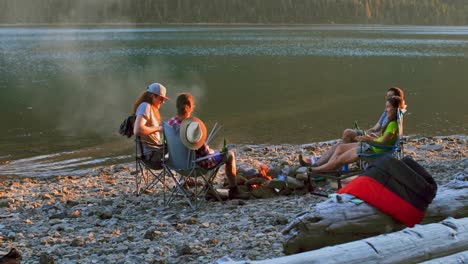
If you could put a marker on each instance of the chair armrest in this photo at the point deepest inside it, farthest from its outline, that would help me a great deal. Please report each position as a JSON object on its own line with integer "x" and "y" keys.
{"x": 208, "y": 156}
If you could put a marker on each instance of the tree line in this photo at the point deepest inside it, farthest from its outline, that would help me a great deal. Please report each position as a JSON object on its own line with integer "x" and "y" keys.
{"x": 391, "y": 12}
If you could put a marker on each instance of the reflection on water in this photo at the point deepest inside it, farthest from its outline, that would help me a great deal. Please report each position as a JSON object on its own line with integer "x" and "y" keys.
{"x": 63, "y": 92}
{"x": 65, "y": 163}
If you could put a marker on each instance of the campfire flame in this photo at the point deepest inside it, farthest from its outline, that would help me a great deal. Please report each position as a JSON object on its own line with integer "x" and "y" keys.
{"x": 259, "y": 178}
{"x": 263, "y": 170}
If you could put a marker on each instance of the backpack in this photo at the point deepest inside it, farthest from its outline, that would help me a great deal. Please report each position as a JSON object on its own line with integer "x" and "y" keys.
{"x": 126, "y": 128}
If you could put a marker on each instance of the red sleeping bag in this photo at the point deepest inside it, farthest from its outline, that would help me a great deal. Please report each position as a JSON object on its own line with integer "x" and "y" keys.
{"x": 400, "y": 188}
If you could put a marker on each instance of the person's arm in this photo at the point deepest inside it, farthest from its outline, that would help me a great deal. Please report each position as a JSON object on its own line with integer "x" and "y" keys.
{"x": 387, "y": 137}
{"x": 141, "y": 129}
{"x": 374, "y": 131}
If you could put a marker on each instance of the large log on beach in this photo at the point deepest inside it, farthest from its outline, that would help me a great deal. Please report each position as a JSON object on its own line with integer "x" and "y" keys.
{"x": 461, "y": 257}
{"x": 334, "y": 222}
{"x": 447, "y": 240}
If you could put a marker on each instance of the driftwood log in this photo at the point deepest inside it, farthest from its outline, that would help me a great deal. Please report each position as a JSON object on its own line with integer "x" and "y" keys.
{"x": 461, "y": 257}
{"x": 333, "y": 222}
{"x": 444, "y": 241}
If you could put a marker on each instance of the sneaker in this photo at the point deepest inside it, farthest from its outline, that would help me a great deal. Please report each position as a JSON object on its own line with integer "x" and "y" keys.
{"x": 304, "y": 162}
{"x": 235, "y": 193}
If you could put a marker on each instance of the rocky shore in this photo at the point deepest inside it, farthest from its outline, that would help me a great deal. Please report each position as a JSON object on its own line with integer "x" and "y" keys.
{"x": 97, "y": 219}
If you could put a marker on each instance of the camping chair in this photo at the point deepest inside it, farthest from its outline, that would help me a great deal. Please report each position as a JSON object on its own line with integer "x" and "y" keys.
{"x": 396, "y": 150}
{"x": 191, "y": 182}
{"x": 146, "y": 175}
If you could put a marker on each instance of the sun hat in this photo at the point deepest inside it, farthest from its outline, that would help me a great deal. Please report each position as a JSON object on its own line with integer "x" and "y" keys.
{"x": 158, "y": 89}
{"x": 192, "y": 132}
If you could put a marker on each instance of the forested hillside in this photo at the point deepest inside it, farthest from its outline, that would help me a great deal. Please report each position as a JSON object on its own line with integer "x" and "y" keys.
{"x": 415, "y": 12}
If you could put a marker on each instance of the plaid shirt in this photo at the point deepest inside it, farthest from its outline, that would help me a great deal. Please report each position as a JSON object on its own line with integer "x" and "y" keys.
{"x": 175, "y": 121}
{"x": 203, "y": 151}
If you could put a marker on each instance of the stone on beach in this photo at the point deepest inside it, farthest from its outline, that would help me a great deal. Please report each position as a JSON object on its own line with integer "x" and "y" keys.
{"x": 96, "y": 218}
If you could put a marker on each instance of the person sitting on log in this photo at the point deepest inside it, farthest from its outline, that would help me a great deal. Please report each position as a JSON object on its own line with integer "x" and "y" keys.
{"x": 185, "y": 104}
{"x": 349, "y": 152}
{"x": 350, "y": 135}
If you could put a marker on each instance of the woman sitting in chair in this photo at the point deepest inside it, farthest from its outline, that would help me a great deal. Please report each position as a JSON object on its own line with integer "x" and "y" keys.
{"x": 147, "y": 126}
{"x": 350, "y": 135}
{"x": 185, "y": 105}
{"x": 349, "y": 152}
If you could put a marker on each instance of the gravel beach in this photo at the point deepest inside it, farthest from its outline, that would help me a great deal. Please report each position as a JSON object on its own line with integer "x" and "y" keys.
{"x": 96, "y": 218}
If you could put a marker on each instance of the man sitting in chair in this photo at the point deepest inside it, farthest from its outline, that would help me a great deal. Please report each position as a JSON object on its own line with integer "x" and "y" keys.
{"x": 349, "y": 152}
{"x": 185, "y": 105}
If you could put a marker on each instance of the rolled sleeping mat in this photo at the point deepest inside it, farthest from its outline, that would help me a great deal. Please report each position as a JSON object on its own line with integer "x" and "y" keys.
{"x": 402, "y": 188}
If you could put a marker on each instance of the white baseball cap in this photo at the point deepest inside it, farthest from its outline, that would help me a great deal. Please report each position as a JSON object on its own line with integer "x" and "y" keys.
{"x": 158, "y": 89}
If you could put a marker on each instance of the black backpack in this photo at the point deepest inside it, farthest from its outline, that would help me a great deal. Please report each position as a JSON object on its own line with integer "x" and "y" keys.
{"x": 126, "y": 128}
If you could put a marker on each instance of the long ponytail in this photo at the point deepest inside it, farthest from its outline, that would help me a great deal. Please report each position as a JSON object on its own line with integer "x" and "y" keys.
{"x": 146, "y": 97}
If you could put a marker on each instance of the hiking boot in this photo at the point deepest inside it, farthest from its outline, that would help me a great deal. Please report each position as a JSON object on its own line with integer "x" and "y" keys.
{"x": 12, "y": 257}
{"x": 235, "y": 193}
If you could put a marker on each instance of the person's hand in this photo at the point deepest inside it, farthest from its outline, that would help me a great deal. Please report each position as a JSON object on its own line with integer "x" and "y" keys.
{"x": 361, "y": 138}
{"x": 156, "y": 128}
{"x": 370, "y": 134}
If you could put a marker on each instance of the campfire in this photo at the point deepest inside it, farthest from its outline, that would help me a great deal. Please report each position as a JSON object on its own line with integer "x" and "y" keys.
{"x": 265, "y": 181}
{"x": 261, "y": 177}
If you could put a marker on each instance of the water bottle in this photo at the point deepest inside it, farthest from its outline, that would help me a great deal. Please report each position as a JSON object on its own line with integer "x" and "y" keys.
{"x": 356, "y": 126}
{"x": 285, "y": 173}
{"x": 281, "y": 177}
{"x": 313, "y": 160}
{"x": 344, "y": 168}
{"x": 224, "y": 149}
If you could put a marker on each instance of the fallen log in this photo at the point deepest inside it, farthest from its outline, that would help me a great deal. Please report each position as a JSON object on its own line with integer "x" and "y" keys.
{"x": 411, "y": 245}
{"x": 334, "y": 222}
{"x": 461, "y": 257}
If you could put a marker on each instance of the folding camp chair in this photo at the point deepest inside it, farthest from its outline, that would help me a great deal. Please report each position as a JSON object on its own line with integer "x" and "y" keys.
{"x": 146, "y": 175}
{"x": 191, "y": 182}
{"x": 396, "y": 150}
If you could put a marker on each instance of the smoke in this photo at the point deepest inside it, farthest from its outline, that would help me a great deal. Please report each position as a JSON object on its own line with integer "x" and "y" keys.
{"x": 100, "y": 83}
{"x": 99, "y": 103}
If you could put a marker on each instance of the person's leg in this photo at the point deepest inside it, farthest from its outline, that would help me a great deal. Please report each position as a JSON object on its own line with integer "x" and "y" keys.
{"x": 322, "y": 160}
{"x": 344, "y": 154}
{"x": 231, "y": 173}
{"x": 349, "y": 135}
{"x": 231, "y": 169}
{"x": 326, "y": 157}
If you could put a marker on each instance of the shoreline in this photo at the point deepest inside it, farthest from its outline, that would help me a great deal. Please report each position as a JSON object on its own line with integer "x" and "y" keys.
{"x": 130, "y": 24}
{"x": 96, "y": 219}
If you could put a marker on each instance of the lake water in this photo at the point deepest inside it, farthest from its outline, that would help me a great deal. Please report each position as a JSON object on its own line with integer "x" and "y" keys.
{"x": 64, "y": 91}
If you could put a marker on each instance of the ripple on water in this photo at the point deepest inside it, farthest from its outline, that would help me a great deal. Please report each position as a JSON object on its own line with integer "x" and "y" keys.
{"x": 63, "y": 163}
